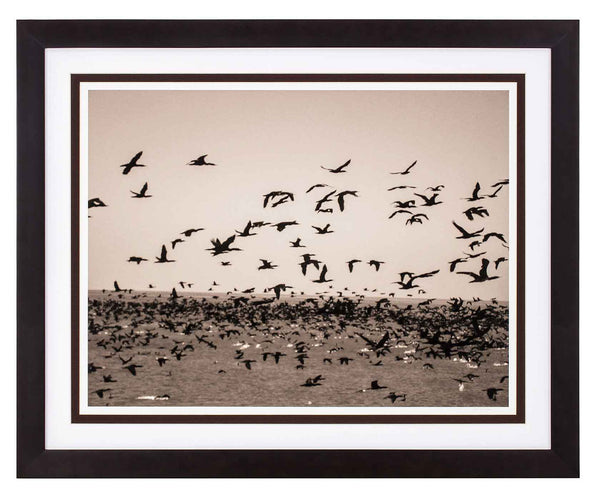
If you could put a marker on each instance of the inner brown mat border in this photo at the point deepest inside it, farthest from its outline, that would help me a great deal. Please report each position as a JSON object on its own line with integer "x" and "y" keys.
{"x": 77, "y": 417}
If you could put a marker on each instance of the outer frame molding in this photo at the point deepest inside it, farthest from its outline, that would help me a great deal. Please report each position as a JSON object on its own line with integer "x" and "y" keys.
{"x": 562, "y": 460}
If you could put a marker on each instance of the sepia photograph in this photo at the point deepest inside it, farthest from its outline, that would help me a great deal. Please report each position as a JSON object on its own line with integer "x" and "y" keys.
{"x": 299, "y": 245}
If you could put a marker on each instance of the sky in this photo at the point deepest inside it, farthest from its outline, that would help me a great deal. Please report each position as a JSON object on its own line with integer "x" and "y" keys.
{"x": 263, "y": 141}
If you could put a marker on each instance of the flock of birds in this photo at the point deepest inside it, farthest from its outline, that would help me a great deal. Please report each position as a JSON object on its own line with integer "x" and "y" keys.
{"x": 317, "y": 332}
{"x": 323, "y": 335}
{"x": 475, "y": 208}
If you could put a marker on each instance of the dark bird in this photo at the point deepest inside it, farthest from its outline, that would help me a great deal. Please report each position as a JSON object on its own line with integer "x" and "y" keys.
{"x": 322, "y": 278}
{"x": 482, "y": 275}
{"x": 318, "y": 185}
{"x": 499, "y": 236}
{"x": 191, "y": 231}
{"x": 429, "y": 201}
{"x": 282, "y": 287}
{"x": 109, "y": 379}
{"x": 400, "y": 211}
{"x": 503, "y": 379}
{"x": 136, "y": 259}
{"x": 393, "y": 397}
{"x": 474, "y": 256}
{"x": 407, "y": 279}
{"x": 96, "y": 202}
{"x": 324, "y": 230}
{"x": 297, "y": 243}
{"x": 454, "y": 263}
{"x": 407, "y": 170}
{"x": 266, "y": 265}
{"x": 340, "y": 169}
{"x": 201, "y": 161}
{"x": 246, "y": 231}
{"x": 464, "y": 233}
{"x": 498, "y": 261}
{"x": 427, "y": 365}
{"x": 248, "y": 363}
{"x": 475, "y": 195}
{"x": 132, "y": 368}
{"x": 175, "y": 242}
{"x": 476, "y": 211}
{"x": 495, "y": 194}
{"x": 116, "y": 285}
{"x": 340, "y": 196}
{"x": 161, "y": 361}
{"x": 351, "y": 264}
{"x": 376, "y": 264}
{"x": 493, "y": 392}
{"x": 312, "y": 382}
{"x": 163, "y": 257}
{"x": 142, "y": 192}
{"x": 324, "y": 200}
{"x": 409, "y": 204}
{"x": 132, "y": 163}
{"x": 283, "y": 197}
{"x": 219, "y": 247}
{"x": 400, "y": 187}
{"x": 416, "y": 218}
{"x": 284, "y": 224}
{"x": 474, "y": 244}
{"x": 500, "y": 183}
{"x": 225, "y": 263}
{"x": 101, "y": 391}
{"x": 437, "y": 188}
{"x": 375, "y": 386}
{"x": 307, "y": 261}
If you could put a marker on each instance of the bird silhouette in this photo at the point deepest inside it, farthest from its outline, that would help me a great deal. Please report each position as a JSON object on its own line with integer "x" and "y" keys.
{"x": 351, "y": 264}
{"x": 407, "y": 170}
{"x": 429, "y": 201}
{"x": 416, "y": 218}
{"x": 163, "y": 257}
{"x": 323, "y": 231}
{"x": 476, "y": 211}
{"x": 201, "y": 161}
{"x": 246, "y": 231}
{"x": 136, "y": 259}
{"x": 175, "y": 242}
{"x": 132, "y": 163}
{"x": 266, "y": 265}
{"x": 219, "y": 247}
{"x": 394, "y": 397}
{"x": 491, "y": 234}
{"x": 318, "y": 185}
{"x": 400, "y": 187}
{"x": 492, "y": 393}
{"x": 376, "y": 264}
{"x": 322, "y": 277}
{"x": 132, "y": 368}
{"x": 297, "y": 243}
{"x": 307, "y": 261}
{"x": 455, "y": 262}
{"x": 96, "y": 202}
{"x": 498, "y": 261}
{"x": 116, "y": 285}
{"x": 475, "y": 195}
{"x": 190, "y": 231}
{"x": 284, "y": 224}
{"x": 340, "y": 169}
{"x": 465, "y": 234}
{"x": 340, "y": 196}
{"x": 142, "y": 192}
{"x": 482, "y": 275}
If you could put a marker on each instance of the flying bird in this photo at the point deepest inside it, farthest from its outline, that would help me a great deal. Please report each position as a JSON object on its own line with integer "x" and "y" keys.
{"x": 475, "y": 195}
{"x": 266, "y": 265}
{"x": 297, "y": 243}
{"x": 323, "y": 231}
{"x": 416, "y": 218}
{"x": 376, "y": 264}
{"x": 464, "y": 233}
{"x": 429, "y": 201}
{"x": 284, "y": 224}
{"x": 340, "y": 169}
{"x": 96, "y": 202}
{"x": 191, "y": 231}
{"x": 476, "y": 211}
{"x": 132, "y": 163}
{"x": 318, "y": 185}
{"x": 340, "y": 196}
{"x": 219, "y": 247}
{"x": 322, "y": 277}
{"x": 407, "y": 170}
{"x": 482, "y": 275}
{"x": 351, "y": 264}
{"x": 201, "y": 161}
{"x": 136, "y": 259}
{"x": 142, "y": 192}
{"x": 163, "y": 256}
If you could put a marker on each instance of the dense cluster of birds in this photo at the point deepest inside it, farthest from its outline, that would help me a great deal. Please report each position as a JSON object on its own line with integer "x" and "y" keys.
{"x": 321, "y": 334}
{"x": 328, "y": 203}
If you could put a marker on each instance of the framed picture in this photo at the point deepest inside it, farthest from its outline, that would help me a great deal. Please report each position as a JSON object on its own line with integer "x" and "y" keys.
{"x": 245, "y": 246}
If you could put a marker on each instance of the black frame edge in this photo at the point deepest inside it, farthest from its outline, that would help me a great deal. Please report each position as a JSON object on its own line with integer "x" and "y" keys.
{"x": 562, "y": 460}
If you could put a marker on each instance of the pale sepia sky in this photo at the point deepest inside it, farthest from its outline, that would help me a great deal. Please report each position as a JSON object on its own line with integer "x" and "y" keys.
{"x": 277, "y": 140}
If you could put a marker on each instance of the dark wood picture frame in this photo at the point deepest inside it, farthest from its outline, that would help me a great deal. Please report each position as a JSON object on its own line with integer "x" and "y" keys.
{"x": 562, "y": 37}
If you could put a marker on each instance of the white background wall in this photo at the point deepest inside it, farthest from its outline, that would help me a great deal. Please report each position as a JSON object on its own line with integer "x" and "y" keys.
{"x": 263, "y": 9}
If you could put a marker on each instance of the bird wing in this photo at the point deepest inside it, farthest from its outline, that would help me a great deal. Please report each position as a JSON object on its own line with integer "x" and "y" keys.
{"x": 163, "y": 252}
{"x": 410, "y": 167}
{"x": 136, "y": 157}
{"x": 144, "y": 189}
{"x": 340, "y": 198}
{"x": 383, "y": 340}
{"x": 476, "y": 190}
{"x": 460, "y": 228}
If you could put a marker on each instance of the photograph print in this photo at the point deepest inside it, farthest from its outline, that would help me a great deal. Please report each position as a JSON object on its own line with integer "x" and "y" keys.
{"x": 299, "y": 243}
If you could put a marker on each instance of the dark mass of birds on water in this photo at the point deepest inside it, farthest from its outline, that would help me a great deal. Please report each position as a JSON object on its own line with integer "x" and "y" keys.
{"x": 290, "y": 331}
